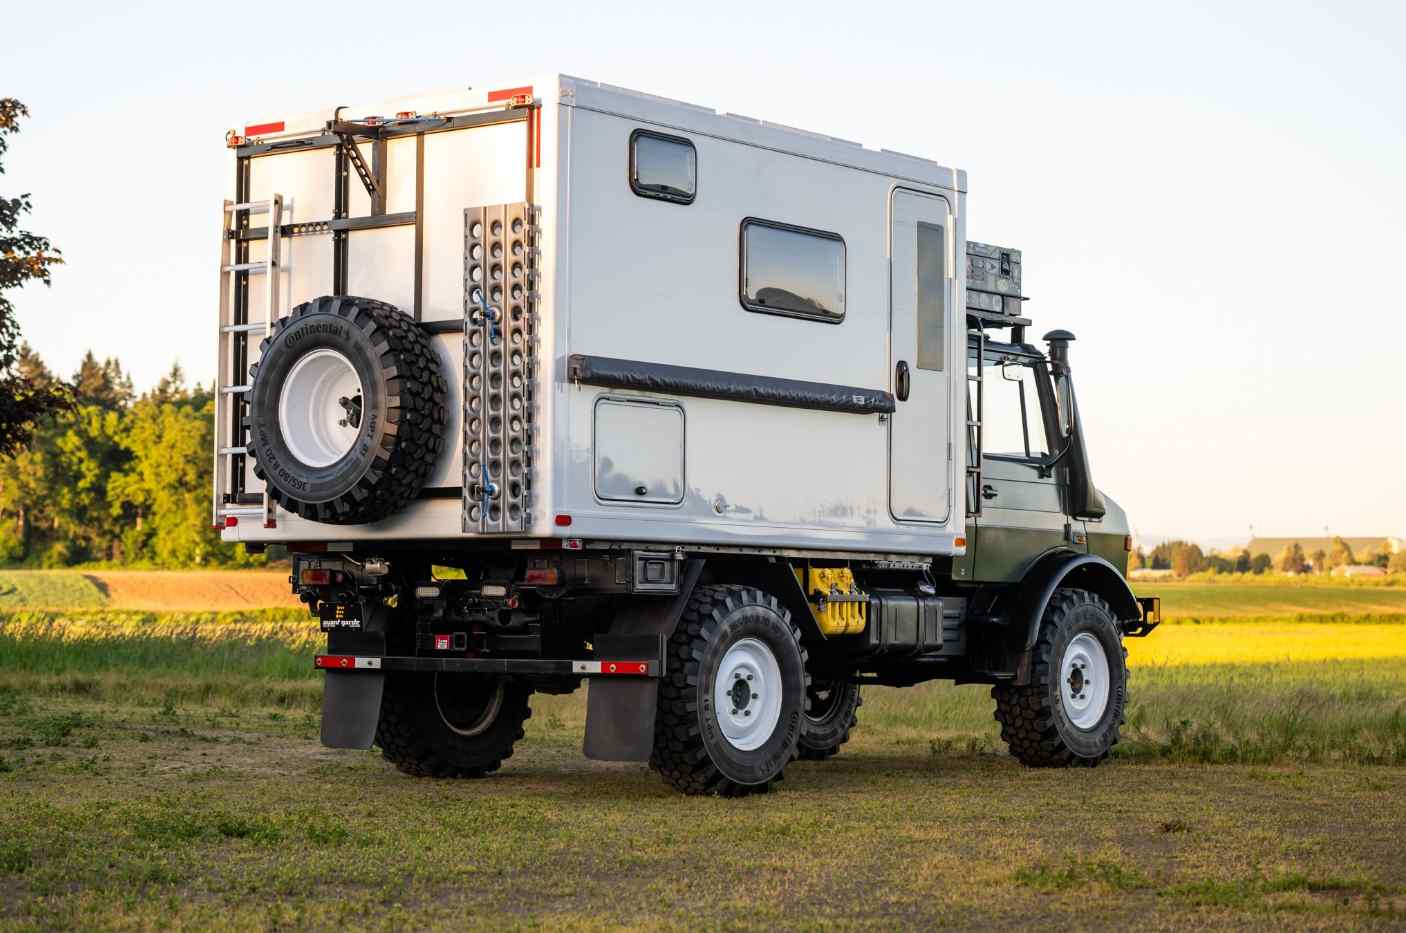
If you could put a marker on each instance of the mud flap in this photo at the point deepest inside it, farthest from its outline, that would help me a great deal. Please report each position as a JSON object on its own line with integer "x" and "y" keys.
{"x": 351, "y": 708}
{"x": 620, "y": 713}
{"x": 351, "y": 700}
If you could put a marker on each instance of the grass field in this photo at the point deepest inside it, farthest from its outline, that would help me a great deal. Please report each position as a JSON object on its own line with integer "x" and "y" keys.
{"x": 163, "y": 769}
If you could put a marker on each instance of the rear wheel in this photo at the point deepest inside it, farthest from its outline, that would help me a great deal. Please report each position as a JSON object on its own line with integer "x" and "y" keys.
{"x": 830, "y": 717}
{"x": 733, "y": 698}
{"x": 450, "y": 725}
{"x": 1071, "y": 711}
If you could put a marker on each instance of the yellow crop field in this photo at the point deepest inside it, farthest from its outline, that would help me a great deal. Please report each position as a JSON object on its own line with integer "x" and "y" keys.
{"x": 1265, "y": 643}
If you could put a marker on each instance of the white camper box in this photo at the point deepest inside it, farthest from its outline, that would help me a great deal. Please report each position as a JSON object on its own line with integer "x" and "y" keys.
{"x": 666, "y": 396}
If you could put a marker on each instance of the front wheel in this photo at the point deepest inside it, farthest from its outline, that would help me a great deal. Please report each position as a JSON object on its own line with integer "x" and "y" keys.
{"x": 1070, "y": 712}
{"x": 450, "y": 725}
{"x": 733, "y": 698}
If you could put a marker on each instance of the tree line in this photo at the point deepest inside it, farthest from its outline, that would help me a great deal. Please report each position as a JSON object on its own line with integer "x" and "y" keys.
{"x": 1184, "y": 558}
{"x": 112, "y": 476}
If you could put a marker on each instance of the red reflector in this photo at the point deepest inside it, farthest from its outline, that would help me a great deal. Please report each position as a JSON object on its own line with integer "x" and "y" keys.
{"x": 562, "y": 521}
{"x": 231, "y": 521}
{"x": 316, "y": 577}
{"x": 572, "y": 544}
{"x": 334, "y": 661}
{"x": 508, "y": 93}
{"x": 441, "y": 643}
{"x": 542, "y": 576}
{"x": 259, "y": 129}
{"x": 624, "y": 667}
{"x": 405, "y": 115}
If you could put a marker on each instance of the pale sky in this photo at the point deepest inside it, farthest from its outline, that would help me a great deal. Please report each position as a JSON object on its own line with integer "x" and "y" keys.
{"x": 1212, "y": 196}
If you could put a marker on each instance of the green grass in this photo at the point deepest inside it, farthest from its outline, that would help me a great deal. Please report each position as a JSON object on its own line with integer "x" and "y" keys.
{"x": 57, "y": 589}
{"x": 152, "y": 779}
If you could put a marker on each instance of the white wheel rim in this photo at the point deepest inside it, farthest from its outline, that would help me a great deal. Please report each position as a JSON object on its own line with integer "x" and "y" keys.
{"x": 747, "y": 694}
{"x": 1084, "y": 681}
{"x": 318, "y": 427}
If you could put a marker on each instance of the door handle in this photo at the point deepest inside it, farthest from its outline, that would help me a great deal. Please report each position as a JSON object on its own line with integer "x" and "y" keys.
{"x": 900, "y": 381}
{"x": 988, "y": 491}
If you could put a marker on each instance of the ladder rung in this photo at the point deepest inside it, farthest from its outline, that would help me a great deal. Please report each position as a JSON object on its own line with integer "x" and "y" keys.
{"x": 235, "y": 390}
{"x": 242, "y": 328}
{"x": 245, "y": 267}
{"x": 253, "y": 207}
{"x": 244, "y": 511}
{"x": 230, "y": 451}
{"x": 973, "y": 424}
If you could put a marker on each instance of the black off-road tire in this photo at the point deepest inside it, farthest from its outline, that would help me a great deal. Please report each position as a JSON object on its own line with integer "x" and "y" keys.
{"x": 1033, "y": 720}
{"x": 690, "y": 751}
{"x": 402, "y": 416}
{"x": 415, "y": 737}
{"x": 831, "y": 714}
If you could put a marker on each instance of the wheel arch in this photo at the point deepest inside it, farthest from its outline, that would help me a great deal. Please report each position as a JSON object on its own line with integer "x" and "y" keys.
{"x": 1065, "y": 569}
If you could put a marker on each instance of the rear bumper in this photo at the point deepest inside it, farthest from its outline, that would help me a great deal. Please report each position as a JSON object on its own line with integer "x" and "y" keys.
{"x": 1151, "y": 607}
{"x": 351, "y": 663}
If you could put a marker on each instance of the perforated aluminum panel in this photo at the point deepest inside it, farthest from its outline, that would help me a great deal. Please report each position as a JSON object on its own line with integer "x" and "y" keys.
{"x": 500, "y": 324}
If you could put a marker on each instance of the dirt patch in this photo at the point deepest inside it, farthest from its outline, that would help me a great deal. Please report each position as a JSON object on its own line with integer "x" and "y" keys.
{"x": 194, "y": 590}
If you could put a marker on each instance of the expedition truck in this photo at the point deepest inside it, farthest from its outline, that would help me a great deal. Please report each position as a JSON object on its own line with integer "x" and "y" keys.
{"x": 560, "y": 383}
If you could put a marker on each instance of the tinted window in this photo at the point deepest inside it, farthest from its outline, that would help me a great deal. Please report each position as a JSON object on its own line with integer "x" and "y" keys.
{"x": 792, "y": 271}
{"x": 664, "y": 167}
{"x": 932, "y": 296}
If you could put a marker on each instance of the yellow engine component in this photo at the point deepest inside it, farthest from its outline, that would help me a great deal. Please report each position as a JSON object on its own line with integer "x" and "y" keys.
{"x": 839, "y": 607}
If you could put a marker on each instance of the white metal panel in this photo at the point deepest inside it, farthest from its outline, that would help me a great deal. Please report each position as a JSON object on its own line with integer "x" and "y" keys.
{"x": 470, "y": 168}
{"x": 658, "y": 282}
{"x": 381, "y": 265}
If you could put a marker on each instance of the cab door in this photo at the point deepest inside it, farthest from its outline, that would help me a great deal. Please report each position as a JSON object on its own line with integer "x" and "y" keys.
{"x": 921, "y": 299}
{"x": 1023, "y": 514}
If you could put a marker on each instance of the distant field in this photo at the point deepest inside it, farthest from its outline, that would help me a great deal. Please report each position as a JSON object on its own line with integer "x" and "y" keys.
{"x": 152, "y": 590}
{"x": 1281, "y": 600}
{"x": 228, "y": 590}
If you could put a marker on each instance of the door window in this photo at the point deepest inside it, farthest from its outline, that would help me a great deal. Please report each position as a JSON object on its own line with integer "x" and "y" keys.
{"x": 932, "y": 296}
{"x": 1011, "y": 421}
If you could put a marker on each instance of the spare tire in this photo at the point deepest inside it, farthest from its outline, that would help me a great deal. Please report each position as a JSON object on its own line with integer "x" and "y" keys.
{"x": 346, "y": 410}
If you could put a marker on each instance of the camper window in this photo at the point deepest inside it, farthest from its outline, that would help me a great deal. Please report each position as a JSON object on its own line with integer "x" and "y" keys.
{"x": 663, "y": 167}
{"x": 792, "y": 271}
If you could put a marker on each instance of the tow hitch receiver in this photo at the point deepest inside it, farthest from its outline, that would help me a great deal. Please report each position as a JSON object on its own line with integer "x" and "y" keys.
{"x": 1151, "y": 618}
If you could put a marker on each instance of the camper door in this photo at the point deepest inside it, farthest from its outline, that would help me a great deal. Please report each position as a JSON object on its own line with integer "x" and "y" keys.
{"x": 921, "y": 303}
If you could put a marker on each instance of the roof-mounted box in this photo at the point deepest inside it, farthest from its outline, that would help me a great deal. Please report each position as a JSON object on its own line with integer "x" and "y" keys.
{"x": 993, "y": 279}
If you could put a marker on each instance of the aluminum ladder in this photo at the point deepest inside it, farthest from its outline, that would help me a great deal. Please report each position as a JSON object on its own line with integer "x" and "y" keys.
{"x": 976, "y": 340}
{"x": 230, "y": 443}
